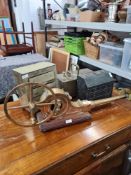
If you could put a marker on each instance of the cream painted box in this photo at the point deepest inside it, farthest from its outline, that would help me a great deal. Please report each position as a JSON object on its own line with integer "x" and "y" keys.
{"x": 42, "y": 72}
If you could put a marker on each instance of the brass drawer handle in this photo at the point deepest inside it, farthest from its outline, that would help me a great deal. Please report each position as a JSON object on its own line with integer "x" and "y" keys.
{"x": 96, "y": 155}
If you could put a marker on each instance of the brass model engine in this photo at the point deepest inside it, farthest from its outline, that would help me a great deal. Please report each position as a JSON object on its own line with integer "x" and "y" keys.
{"x": 53, "y": 110}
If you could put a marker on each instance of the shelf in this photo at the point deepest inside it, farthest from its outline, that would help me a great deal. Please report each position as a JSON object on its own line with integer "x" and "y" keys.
{"x": 120, "y": 27}
{"x": 109, "y": 68}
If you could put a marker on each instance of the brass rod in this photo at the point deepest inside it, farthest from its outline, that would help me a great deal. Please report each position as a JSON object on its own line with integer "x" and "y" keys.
{"x": 18, "y": 107}
{"x": 106, "y": 100}
{"x": 44, "y": 104}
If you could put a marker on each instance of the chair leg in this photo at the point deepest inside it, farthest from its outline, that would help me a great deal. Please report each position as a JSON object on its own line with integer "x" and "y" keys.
{"x": 4, "y": 33}
{"x": 33, "y": 39}
{"x": 23, "y": 28}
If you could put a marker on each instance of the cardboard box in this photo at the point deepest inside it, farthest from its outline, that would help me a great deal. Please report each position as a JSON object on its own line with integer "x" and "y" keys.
{"x": 91, "y": 16}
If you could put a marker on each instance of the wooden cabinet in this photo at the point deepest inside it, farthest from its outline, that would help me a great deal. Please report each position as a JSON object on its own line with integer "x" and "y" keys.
{"x": 100, "y": 158}
{"x": 111, "y": 164}
{"x": 4, "y": 8}
{"x": 91, "y": 148}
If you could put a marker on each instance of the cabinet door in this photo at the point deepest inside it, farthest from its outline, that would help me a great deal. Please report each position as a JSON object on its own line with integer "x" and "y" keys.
{"x": 111, "y": 164}
{"x": 4, "y": 8}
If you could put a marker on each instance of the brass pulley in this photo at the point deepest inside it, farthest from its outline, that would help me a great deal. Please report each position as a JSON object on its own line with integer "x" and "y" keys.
{"x": 30, "y": 106}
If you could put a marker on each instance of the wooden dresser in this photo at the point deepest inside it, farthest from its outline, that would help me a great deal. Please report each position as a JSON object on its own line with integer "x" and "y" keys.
{"x": 91, "y": 148}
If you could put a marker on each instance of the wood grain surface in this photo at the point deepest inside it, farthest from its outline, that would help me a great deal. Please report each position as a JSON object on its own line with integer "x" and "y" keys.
{"x": 25, "y": 151}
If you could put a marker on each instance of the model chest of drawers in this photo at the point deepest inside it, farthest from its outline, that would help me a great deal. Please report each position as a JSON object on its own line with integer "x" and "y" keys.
{"x": 42, "y": 72}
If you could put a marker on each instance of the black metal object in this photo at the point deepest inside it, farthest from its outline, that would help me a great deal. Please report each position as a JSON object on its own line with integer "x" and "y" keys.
{"x": 76, "y": 2}
{"x": 69, "y": 84}
{"x": 94, "y": 85}
{"x": 13, "y": 17}
{"x": 44, "y": 8}
{"x": 15, "y": 3}
{"x": 46, "y": 33}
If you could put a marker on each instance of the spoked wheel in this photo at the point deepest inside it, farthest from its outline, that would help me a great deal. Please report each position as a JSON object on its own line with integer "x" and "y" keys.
{"x": 26, "y": 92}
{"x": 62, "y": 107}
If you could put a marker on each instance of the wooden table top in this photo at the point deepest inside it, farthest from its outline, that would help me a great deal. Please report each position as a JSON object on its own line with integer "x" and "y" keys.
{"x": 25, "y": 151}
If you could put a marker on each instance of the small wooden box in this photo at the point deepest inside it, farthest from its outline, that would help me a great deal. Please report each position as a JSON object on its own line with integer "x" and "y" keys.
{"x": 91, "y": 51}
{"x": 91, "y": 16}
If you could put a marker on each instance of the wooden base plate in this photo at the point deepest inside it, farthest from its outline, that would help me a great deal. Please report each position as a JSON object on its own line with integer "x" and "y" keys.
{"x": 60, "y": 122}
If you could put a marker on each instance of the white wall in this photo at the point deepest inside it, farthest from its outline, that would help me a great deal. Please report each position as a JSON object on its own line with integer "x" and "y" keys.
{"x": 26, "y": 11}
{"x": 34, "y": 5}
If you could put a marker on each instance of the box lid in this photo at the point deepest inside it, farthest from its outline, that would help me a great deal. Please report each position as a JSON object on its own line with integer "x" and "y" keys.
{"x": 96, "y": 78}
{"x": 111, "y": 45}
{"x": 33, "y": 67}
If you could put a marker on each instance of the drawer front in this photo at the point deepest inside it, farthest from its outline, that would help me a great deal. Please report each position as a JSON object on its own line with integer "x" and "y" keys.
{"x": 90, "y": 154}
{"x": 43, "y": 78}
{"x": 109, "y": 164}
{"x": 109, "y": 144}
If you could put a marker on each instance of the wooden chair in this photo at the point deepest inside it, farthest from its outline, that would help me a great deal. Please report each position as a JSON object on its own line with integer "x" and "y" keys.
{"x": 16, "y": 49}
